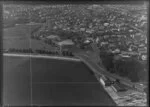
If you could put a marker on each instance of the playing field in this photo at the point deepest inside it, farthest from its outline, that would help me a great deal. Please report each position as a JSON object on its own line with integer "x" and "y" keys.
{"x": 19, "y": 37}
{"x": 40, "y": 81}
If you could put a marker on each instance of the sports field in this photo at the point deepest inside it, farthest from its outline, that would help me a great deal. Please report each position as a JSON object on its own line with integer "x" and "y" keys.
{"x": 19, "y": 37}
{"x": 40, "y": 81}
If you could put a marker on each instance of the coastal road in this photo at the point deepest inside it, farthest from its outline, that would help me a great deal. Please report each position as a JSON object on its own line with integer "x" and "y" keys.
{"x": 101, "y": 71}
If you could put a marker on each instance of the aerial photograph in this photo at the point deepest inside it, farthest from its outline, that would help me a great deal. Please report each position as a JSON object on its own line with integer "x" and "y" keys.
{"x": 75, "y": 54}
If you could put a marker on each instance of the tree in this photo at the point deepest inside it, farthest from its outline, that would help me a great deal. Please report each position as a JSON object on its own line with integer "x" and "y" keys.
{"x": 30, "y": 50}
{"x": 57, "y": 53}
{"x": 107, "y": 60}
{"x": 24, "y": 50}
{"x": 71, "y": 54}
{"x": 130, "y": 68}
{"x": 37, "y": 51}
{"x": 11, "y": 49}
{"x": 63, "y": 53}
{"x": 49, "y": 52}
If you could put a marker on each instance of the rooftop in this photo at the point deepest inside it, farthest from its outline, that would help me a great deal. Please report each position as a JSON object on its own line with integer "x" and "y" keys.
{"x": 66, "y": 42}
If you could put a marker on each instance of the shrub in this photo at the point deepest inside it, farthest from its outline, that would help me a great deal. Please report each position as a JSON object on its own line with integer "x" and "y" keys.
{"x": 107, "y": 60}
{"x": 63, "y": 53}
{"x": 129, "y": 68}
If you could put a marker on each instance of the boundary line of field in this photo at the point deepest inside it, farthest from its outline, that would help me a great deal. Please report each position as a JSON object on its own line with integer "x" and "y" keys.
{"x": 42, "y": 56}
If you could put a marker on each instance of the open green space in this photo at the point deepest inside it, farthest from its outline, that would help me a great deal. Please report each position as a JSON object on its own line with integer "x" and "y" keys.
{"x": 19, "y": 37}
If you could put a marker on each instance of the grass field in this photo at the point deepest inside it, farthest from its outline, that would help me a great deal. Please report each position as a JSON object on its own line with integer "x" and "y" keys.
{"x": 19, "y": 37}
{"x": 40, "y": 81}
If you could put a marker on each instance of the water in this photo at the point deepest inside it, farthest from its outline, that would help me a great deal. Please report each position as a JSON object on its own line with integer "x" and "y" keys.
{"x": 36, "y": 81}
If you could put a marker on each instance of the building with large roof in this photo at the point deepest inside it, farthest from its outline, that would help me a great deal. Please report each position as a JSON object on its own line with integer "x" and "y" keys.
{"x": 65, "y": 44}
{"x": 53, "y": 37}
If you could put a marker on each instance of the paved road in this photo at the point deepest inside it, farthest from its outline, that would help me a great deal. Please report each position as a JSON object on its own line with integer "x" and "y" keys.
{"x": 41, "y": 81}
{"x": 99, "y": 70}
{"x": 139, "y": 99}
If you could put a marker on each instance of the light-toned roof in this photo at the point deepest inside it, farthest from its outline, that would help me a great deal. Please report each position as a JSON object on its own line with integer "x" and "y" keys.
{"x": 66, "y": 42}
{"x": 87, "y": 41}
{"x": 142, "y": 49}
{"x": 52, "y": 37}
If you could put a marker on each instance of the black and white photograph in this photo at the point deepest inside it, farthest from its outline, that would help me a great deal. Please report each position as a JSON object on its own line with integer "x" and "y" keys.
{"x": 68, "y": 54}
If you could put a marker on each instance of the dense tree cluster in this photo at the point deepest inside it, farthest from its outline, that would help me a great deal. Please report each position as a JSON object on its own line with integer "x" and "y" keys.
{"x": 67, "y": 53}
{"x": 124, "y": 67}
{"x": 47, "y": 52}
{"x": 21, "y": 50}
{"x": 64, "y": 52}
{"x": 49, "y": 42}
{"x": 107, "y": 60}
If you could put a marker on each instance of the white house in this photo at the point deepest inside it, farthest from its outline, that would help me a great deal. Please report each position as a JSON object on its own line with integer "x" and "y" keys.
{"x": 53, "y": 37}
{"x": 65, "y": 44}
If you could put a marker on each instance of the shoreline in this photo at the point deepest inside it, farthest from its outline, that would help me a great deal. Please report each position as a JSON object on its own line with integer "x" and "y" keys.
{"x": 42, "y": 56}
